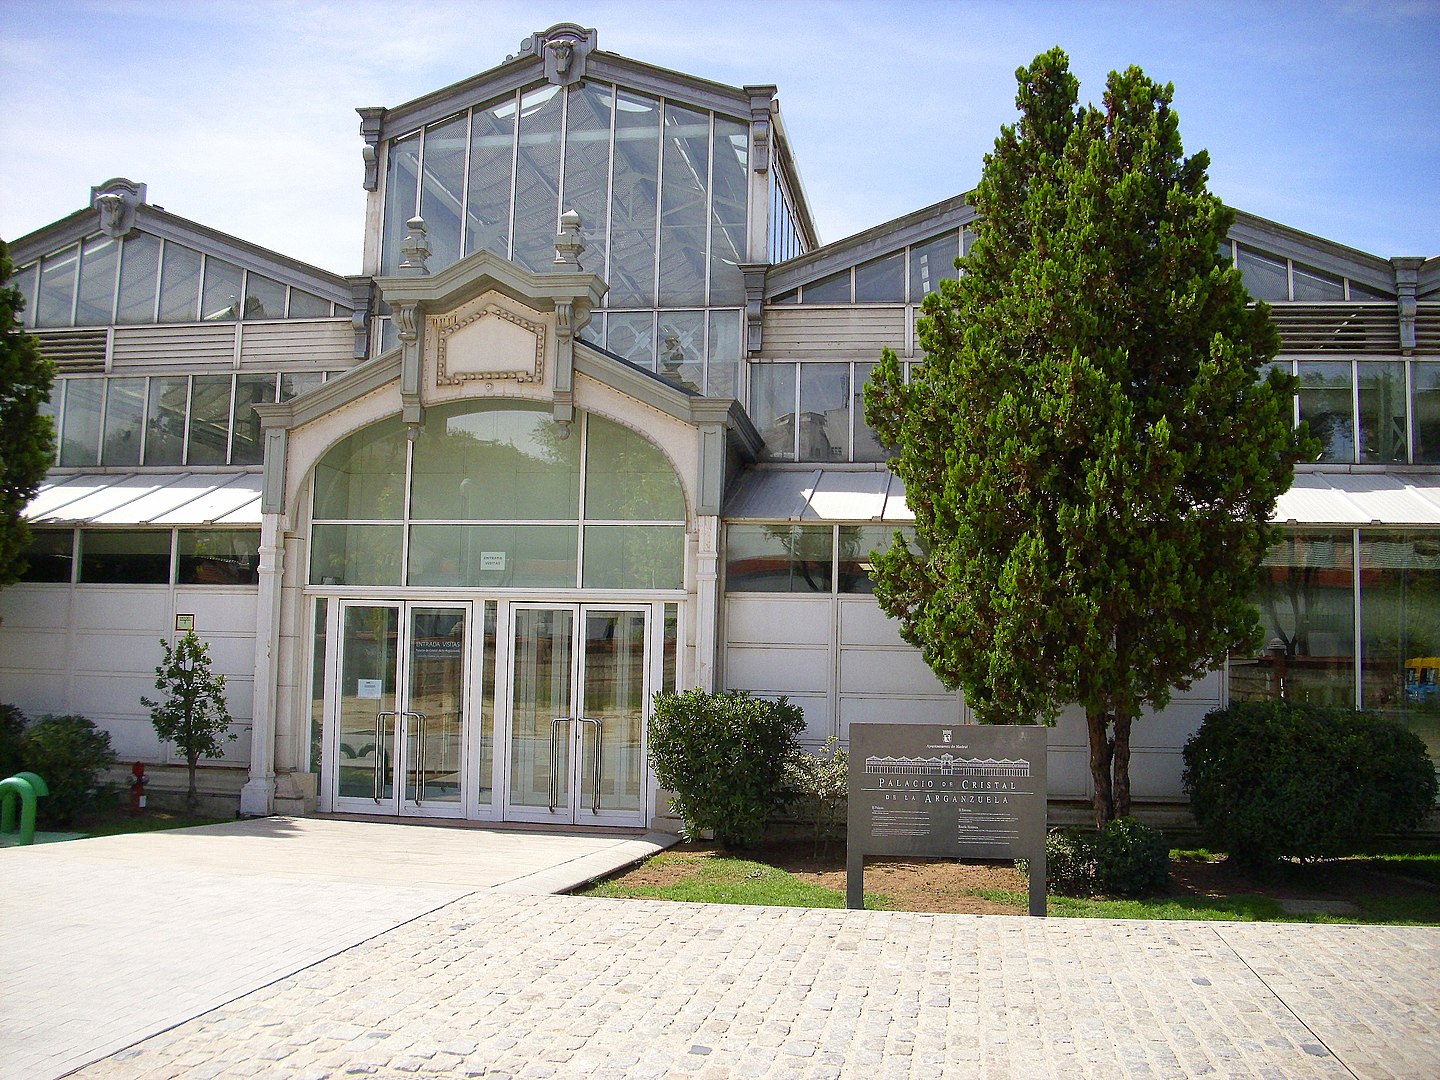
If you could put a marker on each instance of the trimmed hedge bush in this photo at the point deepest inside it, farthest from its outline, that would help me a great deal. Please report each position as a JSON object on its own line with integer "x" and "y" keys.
{"x": 71, "y": 756}
{"x": 1271, "y": 779}
{"x": 723, "y": 757}
{"x": 12, "y": 740}
{"x": 1126, "y": 858}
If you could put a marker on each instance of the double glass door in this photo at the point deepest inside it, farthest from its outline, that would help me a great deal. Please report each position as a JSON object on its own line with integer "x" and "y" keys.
{"x": 578, "y": 690}
{"x": 402, "y": 704}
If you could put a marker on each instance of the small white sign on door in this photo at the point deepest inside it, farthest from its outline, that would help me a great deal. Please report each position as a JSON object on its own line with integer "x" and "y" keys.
{"x": 492, "y": 560}
{"x": 369, "y": 688}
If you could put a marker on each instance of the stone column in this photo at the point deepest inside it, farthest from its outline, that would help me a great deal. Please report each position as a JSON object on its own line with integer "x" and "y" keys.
{"x": 257, "y": 797}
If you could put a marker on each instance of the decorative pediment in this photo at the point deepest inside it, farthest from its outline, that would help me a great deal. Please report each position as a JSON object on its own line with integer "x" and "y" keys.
{"x": 485, "y": 342}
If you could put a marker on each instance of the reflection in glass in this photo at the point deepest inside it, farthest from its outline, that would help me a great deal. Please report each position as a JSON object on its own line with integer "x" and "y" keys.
{"x": 179, "y": 283}
{"x": 633, "y": 201}
{"x": 218, "y": 557}
{"x": 1426, "y": 410}
{"x": 1312, "y": 284}
{"x": 670, "y": 650}
{"x": 772, "y": 407}
{"x": 537, "y": 177}
{"x": 867, "y": 444}
{"x": 1265, "y": 278}
{"x": 317, "y": 691}
{"x": 49, "y": 556}
{"x": 401, "y": 181}
{"x": 124, "y": 557}
{"x": 365, "y": 759}
{"x": 824, "y": 412}
{"x": 1326, "y": 404}
{"x": 778, "y": 558}
{"x": 57, "y": 288}
{"x": 834, "y": 289}
{"x": 587, "y": 167}
{"x": 264, "y": 297}
{"x": 442, "y": 191}
{"x": 363, "y": 477}
{"x": 681, "y": 358}
{"x": 722, "y": 367}
{"x": 487, "y": 209}
{"x": 628, "y": 478}
{"x": 730, "y": 186}
{"x": 209, "y": 420}
{"x": 1382, "y": 411}
{"x": 24, "y": 282}
{"x": 686, "y": 169}
{"x": 247, "y": 445}
{"x": 881, "y": 281}
{"x": 493, "y": 556}
{"x": 930, "y": 263}
{"x": 613, "y": 708}
{"x": 541, "y": 718}
{"x": 80, "y": 427}
{"x": 1307, "y": 609}
{"x": 435, "y": 723}
{"x": 294, "y": 384}
{"x": 224, "y": 286}
{"x": 124, "y": 421}
{"x": 305, "y": 305}
{"x": 139, "y": 278}
{"x": 485, "y": 768}
{"x": 857, "y": 543}
{"x": 634, "y": 557}
{"x": 355, "y": 554}
{"x": 631, "y": 334}
{"x": 98, "y": 266}
{"x": 165, "y": 420}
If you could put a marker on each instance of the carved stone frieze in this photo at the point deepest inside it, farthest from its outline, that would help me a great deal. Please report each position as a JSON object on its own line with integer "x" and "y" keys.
{"x": 512, "y": 346}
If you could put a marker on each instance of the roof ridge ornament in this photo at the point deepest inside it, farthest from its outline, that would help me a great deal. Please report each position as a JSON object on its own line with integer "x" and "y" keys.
{"x": 568, "y": 245}
{"x": 116, "y": 200}
{"x": 565, "y": 48}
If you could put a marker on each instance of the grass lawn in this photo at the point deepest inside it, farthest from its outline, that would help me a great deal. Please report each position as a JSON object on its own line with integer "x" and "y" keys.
{"x": 1401, "y": 889}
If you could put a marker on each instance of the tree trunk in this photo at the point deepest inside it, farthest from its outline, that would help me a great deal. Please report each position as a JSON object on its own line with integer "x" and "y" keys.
{"x": 192, "y": 797}
{"x": 1121, "y": 764}
{"x": 1101, "y": 753}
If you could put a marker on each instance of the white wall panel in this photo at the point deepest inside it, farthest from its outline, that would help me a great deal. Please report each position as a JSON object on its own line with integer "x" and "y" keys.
{"x": 1156, "y": 775}
{"x": 134, "y": 740}
{"x": 35, "y": 693}
{"x": 779, "y": 620}
{"x": 773, "y": 669}
{"x": 32, "y": 650}
{"x": 135, "y": 609}
{"x": 1068, "y": 773}
{"x": 111, "y": 694}
{"x": 886, "y": 671}
{"x": 219, "y": 611}
{"x": 898, "y": 710}
{"x": 863, "y": 623}
{"x": 44, "y": 607}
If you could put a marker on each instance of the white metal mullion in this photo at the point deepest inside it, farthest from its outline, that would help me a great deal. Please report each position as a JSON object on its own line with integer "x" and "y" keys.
{"x": 144, "y": 417}
{"x": 659, "y": 240}
{"x": 185, "y": 421}
{"x": 420, "y": 172}
{"x": 1355, "y": 426}
{"x": 199, "y": 308}
{"x": 582, "y": 500}
{"x": 465, "y": 183}
{"x": 159, "y": 277}
{"x": 405, "y": 513}
{"x": 514, "y": 169}
{"x": 1359, "y": 671}
{"x": 75, "y": 290}
{"x": 230, "y": 419}
{"x": 795, "y": 423}
{"x": 1409, "y": 410}
{"x": 564, "y": 141}
{"x": 609, "y": 199}
{"x": 100, "y": 434}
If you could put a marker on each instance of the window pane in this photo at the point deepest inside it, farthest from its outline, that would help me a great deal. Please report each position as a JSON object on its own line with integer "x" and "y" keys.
{"x": 304, "y": 305}
{"x": 727, "y": 216}
{"x": 24, "y": 281}
{"x": 1307, "y": 609}
{"x": 857, "y": 542}
{"x": 98, "y": 264}
{"x": 834, "y": 289}
{"x": 627, "y": 477}
{"x": 824, "y": 412}
{"x": 363, "y": 477}
{"x": 1382, "y": 412}
{"x": 867, "y": 444}
{"x": 441, "y": 190}
{"x": 124, "y": 422}
{"x": 722, "y": 369}
{"x": 1325, "y": 403}
{"x": 633, "y": 201}
{"x": 264, "y": 297}
{"x": 80, "y": 439}
{"x": 631, "y": 334}
{"x": 881, "y": 281}
{"x": 587, "y": 167}
{"x": 218, "y": 557}
{"x": 1360, "y": 292}
{"x": 209, "y": 420}
{"x": 634, "y": 557}
{"x": 57, "y": 288}
{"x": 1312, "y": 284}
{"x": 224, "y": 286}
{"x": 355, "y": 554}
{"x": 1265, "y": 278}
{"x": 772, "y": 408}
{"x": 48, "y": 556}
{"x": 494, "y": 463}
{"x": 131, "y": 557}
{"x": 777, "y": 558}
{"x": 682, "y": 207}
{"x": 165, "y": 421}
{"x": 682, "y": 348}
{"x": 494, "y": 556}
{"x": 1400, "y": 629}
{"x": 1426, "y": 406}
{"x": 179, "y": 283}
{"x": 492, "y": 151}
{"x": 931, "y": 263}
{"x": 537, "y": 178}
{"x": 317, "y": 687}
{"x": 139, "y": 278}
{"x": 247, "y": 444}
{"x": 400, "y": 183}
{"x": 293, "y": 385}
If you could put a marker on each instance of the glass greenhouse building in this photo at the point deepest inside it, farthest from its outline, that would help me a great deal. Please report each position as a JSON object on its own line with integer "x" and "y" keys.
{"x": 587, "y": 426}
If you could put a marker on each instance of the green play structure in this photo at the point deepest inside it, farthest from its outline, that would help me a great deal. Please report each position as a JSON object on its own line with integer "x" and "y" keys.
{"x": 25, "y": 788}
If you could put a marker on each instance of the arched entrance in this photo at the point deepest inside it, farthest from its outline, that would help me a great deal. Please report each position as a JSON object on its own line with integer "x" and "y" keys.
{"x": 494, "y": 604}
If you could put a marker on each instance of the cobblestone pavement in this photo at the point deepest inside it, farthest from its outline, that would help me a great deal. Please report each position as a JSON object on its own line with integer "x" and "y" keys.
{"x": 501, "y": 985}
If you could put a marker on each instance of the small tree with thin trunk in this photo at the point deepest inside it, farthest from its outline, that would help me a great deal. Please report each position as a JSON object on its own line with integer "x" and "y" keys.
{"x": 1090, "y": 448}
{"x": 192, "y": 713}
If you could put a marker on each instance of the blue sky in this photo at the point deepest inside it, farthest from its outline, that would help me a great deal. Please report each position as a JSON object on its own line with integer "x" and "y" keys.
{"x": 1324, "y": 116}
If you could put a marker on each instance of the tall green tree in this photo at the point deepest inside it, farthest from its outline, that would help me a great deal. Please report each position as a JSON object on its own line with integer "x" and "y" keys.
{"x": 1090, "y": 450}
{"x": 191, "y": 712}
{"x": 27, "y": 438}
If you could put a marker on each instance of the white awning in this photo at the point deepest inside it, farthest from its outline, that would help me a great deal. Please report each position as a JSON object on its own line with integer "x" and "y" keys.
{"x": 1349, "y": 499}
{"x": 1315, "y": 498}
{"x": 150, "y": 498}
{"x": 818, "y": 495}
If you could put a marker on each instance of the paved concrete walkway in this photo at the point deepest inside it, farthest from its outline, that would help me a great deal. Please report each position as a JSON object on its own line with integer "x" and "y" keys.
{"x": 107, "y": 941}
{"x": 471, "y": 981}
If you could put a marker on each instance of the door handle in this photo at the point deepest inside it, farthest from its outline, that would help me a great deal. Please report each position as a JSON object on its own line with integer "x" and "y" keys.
{"x": 555, "y": 761}
{"x": 380, "y": 726}
{"x": 419, "y": 767}
{"x": 599, "y": 744}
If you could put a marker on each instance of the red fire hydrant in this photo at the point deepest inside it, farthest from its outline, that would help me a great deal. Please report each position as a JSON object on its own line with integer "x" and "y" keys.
{"x": 137, "y": 787}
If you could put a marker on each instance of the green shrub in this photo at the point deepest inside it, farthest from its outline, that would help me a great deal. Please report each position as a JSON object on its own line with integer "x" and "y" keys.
{"x": 12, "y": 740}
{"x": 71, "y": 756}
{"x": 722, "y": 757}
{"x": 1069, "y": 862}
{"x": 1270, "y": 780}
{"x": 820, "y": 782}
{"x": 1131, "y": 859}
